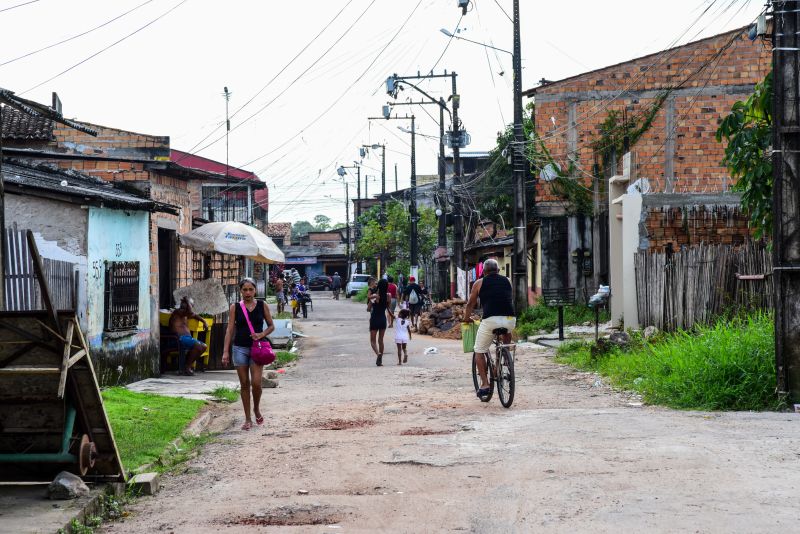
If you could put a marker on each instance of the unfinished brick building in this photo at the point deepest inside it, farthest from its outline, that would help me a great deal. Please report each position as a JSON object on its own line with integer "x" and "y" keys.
{"x": 673, "y": 102}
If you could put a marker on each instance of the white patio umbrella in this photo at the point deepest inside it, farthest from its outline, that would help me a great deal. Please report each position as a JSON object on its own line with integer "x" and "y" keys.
{"x": 233, "y": 238}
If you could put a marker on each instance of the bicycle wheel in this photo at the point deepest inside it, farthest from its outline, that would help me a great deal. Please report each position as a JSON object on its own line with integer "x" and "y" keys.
{"x": 476, "y": 379}
{"x": 505, "y": 379}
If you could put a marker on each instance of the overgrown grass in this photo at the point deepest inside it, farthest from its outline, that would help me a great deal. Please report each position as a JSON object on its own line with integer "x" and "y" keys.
{"x": 361, "y": 295}
{"x": 541, "y": 317}
{"x": 729, "y": 365}
{"x": 282, "y": 357}
{"x": 144, "y": 424}
{"x": 225, "y": 394}
{"x": 282, "y": 315}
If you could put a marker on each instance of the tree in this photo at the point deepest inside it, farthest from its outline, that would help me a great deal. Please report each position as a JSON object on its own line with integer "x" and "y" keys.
{"x": 322, "y": 222}
{"x": 748, "y": 132}
{"x": 301, "y": 228}
{"x": 395, "y": 237}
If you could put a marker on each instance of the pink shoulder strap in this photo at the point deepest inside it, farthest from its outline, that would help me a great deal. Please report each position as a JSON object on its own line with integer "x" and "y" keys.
{"x": 246, "y": 316}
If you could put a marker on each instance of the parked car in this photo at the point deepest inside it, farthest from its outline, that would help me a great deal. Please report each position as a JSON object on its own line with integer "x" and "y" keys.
{"x": 320, "y": 283}
{"x": 356, "y": 282}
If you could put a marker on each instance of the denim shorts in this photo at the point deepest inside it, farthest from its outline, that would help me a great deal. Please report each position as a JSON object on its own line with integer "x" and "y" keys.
{"x": 241, "y": 356}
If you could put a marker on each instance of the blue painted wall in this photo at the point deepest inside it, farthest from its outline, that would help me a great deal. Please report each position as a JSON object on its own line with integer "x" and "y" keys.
{"x": 119, "y": 235}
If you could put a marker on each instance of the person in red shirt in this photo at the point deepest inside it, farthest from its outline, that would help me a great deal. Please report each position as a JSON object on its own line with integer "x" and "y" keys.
{"x": 392, "y": 291}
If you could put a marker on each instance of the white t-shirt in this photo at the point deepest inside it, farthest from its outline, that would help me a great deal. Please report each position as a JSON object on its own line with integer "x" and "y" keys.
{"x": 401, "y": 330}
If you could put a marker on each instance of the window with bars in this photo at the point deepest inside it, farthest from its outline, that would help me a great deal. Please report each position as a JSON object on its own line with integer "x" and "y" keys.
{"x": 226, "y": 203}
{"x": 122, "y": 296}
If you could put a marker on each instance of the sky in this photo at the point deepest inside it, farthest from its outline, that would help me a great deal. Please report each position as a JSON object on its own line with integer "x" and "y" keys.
{"x": 306, "y": 76}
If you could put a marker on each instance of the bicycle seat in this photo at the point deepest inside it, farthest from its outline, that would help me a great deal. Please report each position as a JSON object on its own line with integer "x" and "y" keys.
{"x": 500, "y": 331}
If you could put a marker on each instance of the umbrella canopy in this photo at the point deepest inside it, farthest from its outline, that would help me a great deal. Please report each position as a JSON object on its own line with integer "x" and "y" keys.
{"x": 233, "y": 238}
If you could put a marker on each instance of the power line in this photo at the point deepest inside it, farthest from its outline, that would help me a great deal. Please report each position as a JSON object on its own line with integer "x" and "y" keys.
{"x": 18, "y": 5}
{"x": 68, "y": 39}
{"x": 164, "y": 14}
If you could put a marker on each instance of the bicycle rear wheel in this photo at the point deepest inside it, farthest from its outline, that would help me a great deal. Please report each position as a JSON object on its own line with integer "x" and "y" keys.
{"x": 476, "y": 379}
{"x": 505, "y": 379}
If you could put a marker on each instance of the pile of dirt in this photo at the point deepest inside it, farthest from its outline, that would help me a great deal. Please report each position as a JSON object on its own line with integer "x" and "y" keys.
{"x": 444, "y": 319}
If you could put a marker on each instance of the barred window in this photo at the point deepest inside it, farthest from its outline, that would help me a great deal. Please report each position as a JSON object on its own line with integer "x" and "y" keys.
{"x": 122, "y": 296}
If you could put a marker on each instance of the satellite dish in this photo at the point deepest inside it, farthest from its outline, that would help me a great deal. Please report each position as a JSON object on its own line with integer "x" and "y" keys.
{"x": 550, "y": 172}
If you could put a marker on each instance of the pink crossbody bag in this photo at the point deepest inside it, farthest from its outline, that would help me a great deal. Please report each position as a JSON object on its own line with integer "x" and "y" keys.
{"x": 261, "y": 352}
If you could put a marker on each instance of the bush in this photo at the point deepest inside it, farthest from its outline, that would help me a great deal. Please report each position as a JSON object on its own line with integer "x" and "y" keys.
{"x": 729, "y": 365}
{"x": 361, "y": 295}
{"x": 542, "y": 317}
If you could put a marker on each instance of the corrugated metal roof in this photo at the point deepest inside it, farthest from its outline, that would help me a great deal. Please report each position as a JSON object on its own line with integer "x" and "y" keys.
{"x": 73, "y": 183}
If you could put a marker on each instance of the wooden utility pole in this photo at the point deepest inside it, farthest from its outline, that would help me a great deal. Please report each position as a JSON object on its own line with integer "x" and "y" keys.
{"x": 786, "y": 195}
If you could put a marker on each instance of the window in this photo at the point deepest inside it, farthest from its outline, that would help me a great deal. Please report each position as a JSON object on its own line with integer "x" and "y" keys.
{"x": 226, "y": 203}
{"x": 122, "y": 296}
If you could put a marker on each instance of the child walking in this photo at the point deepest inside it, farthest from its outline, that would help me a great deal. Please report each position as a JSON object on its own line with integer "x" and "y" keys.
{"x": 402, "y": 335}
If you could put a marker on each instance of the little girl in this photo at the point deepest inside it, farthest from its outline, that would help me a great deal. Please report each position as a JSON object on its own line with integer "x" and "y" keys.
{"x": 294, "y": 299}
{"x": 402, "y": 335}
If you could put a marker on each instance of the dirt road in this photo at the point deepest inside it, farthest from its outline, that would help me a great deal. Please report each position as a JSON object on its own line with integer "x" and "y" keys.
{"x": 351, "y": 447}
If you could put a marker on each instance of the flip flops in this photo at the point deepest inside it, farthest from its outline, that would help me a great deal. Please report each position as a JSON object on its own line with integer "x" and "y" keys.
{"x": 260, "y": 420}
{"x": 483, "y": 394}
{"x": 247, "y": 425}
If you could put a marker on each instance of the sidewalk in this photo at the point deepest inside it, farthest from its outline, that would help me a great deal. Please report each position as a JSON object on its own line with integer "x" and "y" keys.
{"x": 198, "y": 386}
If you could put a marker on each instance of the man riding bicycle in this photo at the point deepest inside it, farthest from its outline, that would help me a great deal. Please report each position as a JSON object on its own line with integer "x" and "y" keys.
{"x": 494, "y": 291}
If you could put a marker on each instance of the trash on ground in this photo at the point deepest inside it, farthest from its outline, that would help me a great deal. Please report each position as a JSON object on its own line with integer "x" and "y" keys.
{"x": 431, "y": 350}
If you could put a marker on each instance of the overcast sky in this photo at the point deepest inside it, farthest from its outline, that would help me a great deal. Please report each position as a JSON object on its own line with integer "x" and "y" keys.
{"x": 302, "y": 116}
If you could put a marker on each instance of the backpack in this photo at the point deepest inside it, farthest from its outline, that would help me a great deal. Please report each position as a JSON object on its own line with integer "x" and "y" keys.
{"x": 413, "y": 298}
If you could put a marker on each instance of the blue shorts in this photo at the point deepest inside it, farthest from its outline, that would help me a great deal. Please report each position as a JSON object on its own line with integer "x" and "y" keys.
{"x": 188, "y": 342}
{"x": 241, "y": 356}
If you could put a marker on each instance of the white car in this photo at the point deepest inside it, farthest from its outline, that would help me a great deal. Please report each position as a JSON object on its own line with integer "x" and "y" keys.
{"x": 356, "y": 282}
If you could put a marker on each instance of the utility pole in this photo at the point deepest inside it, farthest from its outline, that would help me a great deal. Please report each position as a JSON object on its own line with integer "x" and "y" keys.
{"x": 396, "y": 187}
{"x": 442, "y": 236}
{"x": 520, "y": 254}
{"x": 458, "y": 216}
{"x": 393, "y": 84}
{"x": 342, "y": 172}
{"x": 347, "y": 225}
{"x": 358, "y": 212}
{"x": 414, "y": 217}
{"x": 786, "y": 190}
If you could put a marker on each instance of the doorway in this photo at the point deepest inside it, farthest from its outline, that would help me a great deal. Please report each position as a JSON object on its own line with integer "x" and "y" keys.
{"x": 167, "y": 262}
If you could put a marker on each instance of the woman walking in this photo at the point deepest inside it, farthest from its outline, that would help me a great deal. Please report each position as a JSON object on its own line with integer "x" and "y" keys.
{"x": 238, "y": 332}
{"x": 378, "y": 306}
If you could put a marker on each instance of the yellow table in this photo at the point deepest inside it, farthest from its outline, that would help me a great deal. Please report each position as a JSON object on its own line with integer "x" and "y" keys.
{"x": 195, "y": 327}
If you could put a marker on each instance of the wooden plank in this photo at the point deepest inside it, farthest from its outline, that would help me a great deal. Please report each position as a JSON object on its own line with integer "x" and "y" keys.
{"x": 75, "y": 357}
{"x": 65, "y": 365}
{"x": 29, "y": 370}
{"x": 17, "y": 353}
{"x": 39, "y": 270}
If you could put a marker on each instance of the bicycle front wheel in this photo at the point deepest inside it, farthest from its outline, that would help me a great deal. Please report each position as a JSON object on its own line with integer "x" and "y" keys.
{"x": 476, "y": 378}
{"x": 505, "y": 378}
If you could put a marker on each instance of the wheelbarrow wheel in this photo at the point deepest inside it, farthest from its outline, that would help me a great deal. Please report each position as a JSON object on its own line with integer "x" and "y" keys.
{"x": 86, "y": 455}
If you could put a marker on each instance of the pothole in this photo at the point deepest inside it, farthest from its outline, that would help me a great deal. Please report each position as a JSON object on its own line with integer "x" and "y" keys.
{"x": 342, "y": 424}
{"x": 290, "y": 516}
{"x": 418, "y": 431}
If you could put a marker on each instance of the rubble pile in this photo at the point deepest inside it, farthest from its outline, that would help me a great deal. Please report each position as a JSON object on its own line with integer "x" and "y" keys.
{"x": 444, "y": 319}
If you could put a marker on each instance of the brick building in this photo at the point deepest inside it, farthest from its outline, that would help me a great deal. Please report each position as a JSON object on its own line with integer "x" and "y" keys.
{"x": 673, "y": 102}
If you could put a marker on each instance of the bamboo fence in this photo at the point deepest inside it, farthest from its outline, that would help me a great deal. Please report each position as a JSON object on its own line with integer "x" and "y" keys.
{"x": 681, "y": 289}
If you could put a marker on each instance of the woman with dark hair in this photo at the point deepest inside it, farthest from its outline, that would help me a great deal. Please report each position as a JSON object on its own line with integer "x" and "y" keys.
{"x": 239, "y": 333}
{"x": 378, "y": 306}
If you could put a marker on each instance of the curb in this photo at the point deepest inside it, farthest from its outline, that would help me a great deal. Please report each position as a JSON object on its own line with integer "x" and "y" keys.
{"x": 94, "y": 505}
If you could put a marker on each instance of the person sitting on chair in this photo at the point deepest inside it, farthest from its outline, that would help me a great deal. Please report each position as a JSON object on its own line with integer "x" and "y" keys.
{"x": 179, "y": 324}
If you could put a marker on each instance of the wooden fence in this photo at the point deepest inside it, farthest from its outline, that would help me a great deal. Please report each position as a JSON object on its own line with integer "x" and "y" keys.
{"x": 21, "y": 288}
{"x": 678, "y": 290}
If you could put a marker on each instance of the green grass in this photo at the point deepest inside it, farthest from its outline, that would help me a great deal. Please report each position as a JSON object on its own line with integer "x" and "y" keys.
{"x": 361, "y": 295}
{"x": 144, "y": 424}
{"x": 282, "y": 315}
{"x": 282, "y": 357}
{"x": 729, "y": 365}
{"x": 225, "y": 394}
{"x": 541, "y": 317}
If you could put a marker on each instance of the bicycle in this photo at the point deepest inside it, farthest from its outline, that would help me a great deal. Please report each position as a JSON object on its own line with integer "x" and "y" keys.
{"x": 500, "y": 372}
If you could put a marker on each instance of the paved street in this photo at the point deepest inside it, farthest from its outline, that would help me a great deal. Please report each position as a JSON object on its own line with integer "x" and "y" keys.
{"x": 351, "y": 447}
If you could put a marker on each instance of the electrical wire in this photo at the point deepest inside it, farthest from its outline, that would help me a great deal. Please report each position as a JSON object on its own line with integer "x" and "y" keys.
{"x": 18, "y": 5}
{"x": 115, "y": 43}
{"x": 68, "y": 39}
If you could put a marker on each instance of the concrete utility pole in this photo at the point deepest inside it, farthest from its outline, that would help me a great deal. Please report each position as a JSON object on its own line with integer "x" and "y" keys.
{"x": 442, "y": 235}
{"x": 413, "y": 210}
{"x": 786, "y": 192}
{"x": 520, "y": 165}
{"x": 458, "y": 216}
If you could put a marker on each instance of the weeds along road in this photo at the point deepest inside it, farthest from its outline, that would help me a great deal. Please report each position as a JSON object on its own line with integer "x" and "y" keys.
{"x": 351, "y": 447}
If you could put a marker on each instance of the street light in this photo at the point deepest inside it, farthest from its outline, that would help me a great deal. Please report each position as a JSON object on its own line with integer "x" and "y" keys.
{"x": 454, "y": 36}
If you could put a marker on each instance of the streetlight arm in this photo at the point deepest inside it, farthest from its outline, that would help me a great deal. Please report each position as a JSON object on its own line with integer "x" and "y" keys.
{"x": 477, "y": 43}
